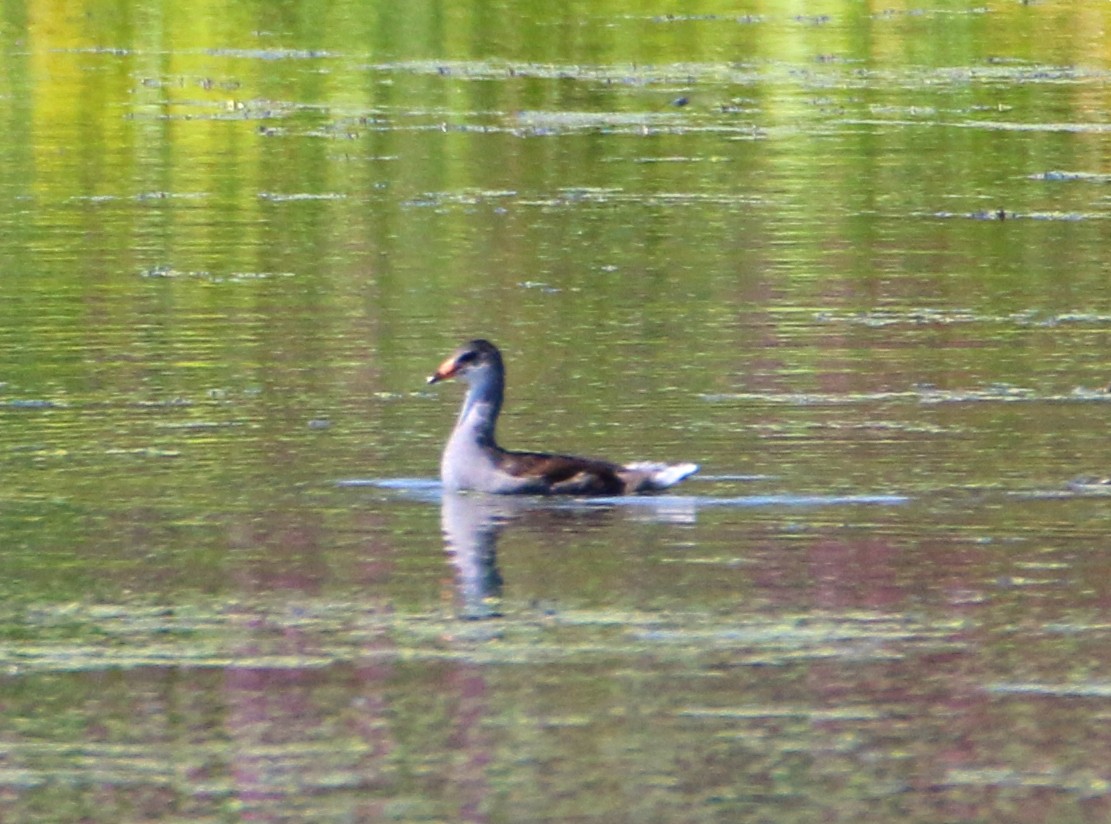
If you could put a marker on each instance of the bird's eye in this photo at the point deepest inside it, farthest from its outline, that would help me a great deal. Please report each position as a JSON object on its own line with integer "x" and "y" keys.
{"x": 467, "y": 357}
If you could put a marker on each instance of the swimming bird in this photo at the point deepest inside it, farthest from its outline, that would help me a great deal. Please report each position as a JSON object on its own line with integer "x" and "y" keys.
{"x": 472, "y": 459}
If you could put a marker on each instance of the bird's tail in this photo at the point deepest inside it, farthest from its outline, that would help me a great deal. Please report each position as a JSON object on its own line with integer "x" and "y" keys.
{"x": 646, "y": 476}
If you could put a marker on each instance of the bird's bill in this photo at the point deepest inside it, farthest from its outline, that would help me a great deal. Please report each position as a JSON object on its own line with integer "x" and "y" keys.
{"x": 446, "y": 370}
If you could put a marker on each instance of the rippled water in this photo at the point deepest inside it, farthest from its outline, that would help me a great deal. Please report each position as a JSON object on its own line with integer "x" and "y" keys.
{"x": 853, "y": 262}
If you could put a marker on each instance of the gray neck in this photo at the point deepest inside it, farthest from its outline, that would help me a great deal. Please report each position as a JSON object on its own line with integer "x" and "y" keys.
{"x": 480, "y": 410}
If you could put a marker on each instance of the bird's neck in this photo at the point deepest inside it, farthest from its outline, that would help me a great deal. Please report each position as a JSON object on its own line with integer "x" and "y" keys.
{"x": 480, "y": 410}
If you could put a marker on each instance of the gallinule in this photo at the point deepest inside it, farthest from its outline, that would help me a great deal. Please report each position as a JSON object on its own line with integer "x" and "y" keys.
{"x": 473, "y": 460}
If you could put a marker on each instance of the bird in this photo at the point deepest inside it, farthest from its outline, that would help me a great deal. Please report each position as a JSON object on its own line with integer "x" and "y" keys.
{"x": 473, "y": 460}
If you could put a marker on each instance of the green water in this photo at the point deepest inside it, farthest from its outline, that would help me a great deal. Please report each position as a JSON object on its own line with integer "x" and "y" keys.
{"x": 850, "y": 259}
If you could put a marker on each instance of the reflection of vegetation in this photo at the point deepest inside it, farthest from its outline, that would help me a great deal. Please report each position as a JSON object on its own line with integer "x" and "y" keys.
{"x": 222, "y": 223}
{"x": 234, "y": 238}
{"x": 315, "y": 633}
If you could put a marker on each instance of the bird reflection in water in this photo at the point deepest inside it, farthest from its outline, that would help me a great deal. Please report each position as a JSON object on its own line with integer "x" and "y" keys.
{"x": 472, "y": 524}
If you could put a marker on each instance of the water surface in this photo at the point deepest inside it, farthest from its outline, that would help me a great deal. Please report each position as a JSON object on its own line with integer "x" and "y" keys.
{"x": 852, "y": 261}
